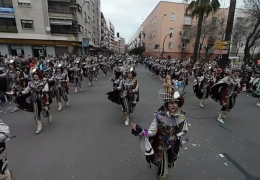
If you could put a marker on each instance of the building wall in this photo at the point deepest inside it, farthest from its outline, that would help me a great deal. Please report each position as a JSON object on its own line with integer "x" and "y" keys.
{"x": 34, "y": 12}
{"x": 38, "y": 12}
{"x": 157, "y": 26}
{"x": 111, "y": 34}
{"x": 4, "y": 50}
{"x": 135, "y": 41}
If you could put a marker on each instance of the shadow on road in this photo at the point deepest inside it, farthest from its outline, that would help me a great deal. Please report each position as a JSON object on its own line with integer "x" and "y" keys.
{"x": 240, "y": 168}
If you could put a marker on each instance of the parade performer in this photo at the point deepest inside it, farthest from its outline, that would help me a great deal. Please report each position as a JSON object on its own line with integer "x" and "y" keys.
{"x": 78, "y": 75}
{"x": 202, "y": 86}
{"x": 5, "y": 173}
{"x": 60, "y": 87}
{"x": 168, "y": 84}
{"x": 35, "y": 98}
{"x": 162, "y": 140}
{"x": 129, "y": 94}
{"x": 225, "y": 92}
{"x": 256, "y": 88}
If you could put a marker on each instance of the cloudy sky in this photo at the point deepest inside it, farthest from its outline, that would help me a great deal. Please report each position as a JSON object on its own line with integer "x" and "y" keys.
{"x": 127, "y": 16}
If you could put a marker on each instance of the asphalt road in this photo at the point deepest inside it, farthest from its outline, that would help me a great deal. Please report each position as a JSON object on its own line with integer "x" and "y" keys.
{"x": 88, "y": 140}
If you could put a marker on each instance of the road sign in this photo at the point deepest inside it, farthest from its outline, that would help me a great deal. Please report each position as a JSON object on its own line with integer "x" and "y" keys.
{"x": 221, "y": 45}
{"x": 85, "y": 42}
{"x": 220, "y": 51}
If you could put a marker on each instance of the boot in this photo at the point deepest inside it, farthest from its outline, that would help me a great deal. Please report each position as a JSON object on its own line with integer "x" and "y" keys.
{"x": 39, "y": 126}
{"x": 49, "y": 118}
{"x": 89, "y": 83}
{"x": 135, "y": 99}
{"x": 258, "y": 102}
{"x": 80, "y": 89}
{"x": 76, "y": 90}
{"x": 67, "y": 103}
{"x": 6, "y": 175}
{"x": 126, "y": 117}
{"x": 104, "y": 75}
{"x": 201, "y": 104}
{"x": 59, "y": 106}
{"x": 220, "y": 117}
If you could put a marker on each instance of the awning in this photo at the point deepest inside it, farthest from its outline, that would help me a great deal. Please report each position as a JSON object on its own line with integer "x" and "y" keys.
{"x": 60, "y": 22}
{"x": 24, "y": 1}
{"x": 6, "y": 15}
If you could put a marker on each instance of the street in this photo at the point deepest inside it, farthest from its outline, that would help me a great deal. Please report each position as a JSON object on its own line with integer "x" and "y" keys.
{"x": 89, "y": 141}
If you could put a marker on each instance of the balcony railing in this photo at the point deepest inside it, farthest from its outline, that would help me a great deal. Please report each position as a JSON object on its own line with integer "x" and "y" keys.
{"x": 10, "y": 29}
{"x": 60, "y": 0}
{"x": 184, "y": 50}
{"x": 63, "y": 31}
{"x": 60, "y": 10}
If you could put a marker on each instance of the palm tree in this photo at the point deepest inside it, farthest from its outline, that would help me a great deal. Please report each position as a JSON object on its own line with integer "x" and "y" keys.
{"x": 200, "y": 8}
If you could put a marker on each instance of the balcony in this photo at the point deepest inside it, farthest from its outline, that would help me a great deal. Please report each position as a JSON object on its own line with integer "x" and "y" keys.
{"x": 184, "y": 50}
{"x": 8, "y": 29}
{"x": 61, "y": 14}
{"x": 68, "y": 1}
{"x": 56, "y": 29}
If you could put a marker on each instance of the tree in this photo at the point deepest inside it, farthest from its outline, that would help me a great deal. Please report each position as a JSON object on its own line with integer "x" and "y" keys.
{"x": 200, "y": 8}
{"x": 137, "y": 51}
{"x": 252, "y": 10}
{"x": 212, "y": 27}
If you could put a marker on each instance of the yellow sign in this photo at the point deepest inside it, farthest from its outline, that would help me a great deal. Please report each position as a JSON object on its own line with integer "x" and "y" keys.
{"x": 221, "y": 45}
{"x": 70, "y": 38}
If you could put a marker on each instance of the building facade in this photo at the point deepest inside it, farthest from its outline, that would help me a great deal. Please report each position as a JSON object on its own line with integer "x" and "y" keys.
{"x": 238, "y": 40}
{"x": 111, "y": 35}
{"x": 171, "y": 17}
{"x": 119, "y": 45}
{"x": 104, "y": 43}
{"x": 53, "y": 27}
{"x": 137, "y": 39}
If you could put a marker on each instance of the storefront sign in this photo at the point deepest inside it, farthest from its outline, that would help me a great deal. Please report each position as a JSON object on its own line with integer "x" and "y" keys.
{"x": 70, "y": 38}
{"x": 6, "y": 10}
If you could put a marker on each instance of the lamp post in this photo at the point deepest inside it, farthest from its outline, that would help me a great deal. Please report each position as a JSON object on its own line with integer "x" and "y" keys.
{"x": 160, "y": 30}
{"x": 83, "y": 41}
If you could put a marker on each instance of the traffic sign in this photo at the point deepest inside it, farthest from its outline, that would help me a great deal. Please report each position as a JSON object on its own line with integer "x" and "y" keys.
{"x": 221, "y": 45}
{"x": 220, "y": 51}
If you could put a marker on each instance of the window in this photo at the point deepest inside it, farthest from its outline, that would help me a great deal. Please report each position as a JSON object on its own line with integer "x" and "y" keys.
{"x": 79, "y": 9}
{"x": 24, "y": 3}
{"x": 85, "y": 14}
{"x": 185, "y": 33}
{"x": 155, "y": 20}
{"x": 187, "y": 20}
{"x": 171, "y": 30}
{"x": 6, "y": 3}
{"x": 172, "y": 16}
{"x": 213, "y": 21}
{"x": 170, "y": 45}
{"x": 86, "y": 33}
{"x": 27, "y": 24}
{"x": 184, "y": 47}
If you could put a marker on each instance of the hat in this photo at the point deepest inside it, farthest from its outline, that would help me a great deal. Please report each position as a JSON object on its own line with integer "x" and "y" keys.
{"x": 166, "y": 97}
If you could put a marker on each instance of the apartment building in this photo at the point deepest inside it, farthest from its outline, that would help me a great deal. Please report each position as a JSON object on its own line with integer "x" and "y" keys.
{"x": 111, "y": 35}
{"x": 171, "y": 17}
{"x": 104, "y": 32}
{"x": 137, "y": 39}
{"x": 238, "y": 43}
{"x": 49, "y": 27}
{"x": 119, "y": 45}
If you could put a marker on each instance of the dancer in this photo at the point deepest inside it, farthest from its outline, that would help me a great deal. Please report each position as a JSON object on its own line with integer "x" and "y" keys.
{"x": 164, "y": 134}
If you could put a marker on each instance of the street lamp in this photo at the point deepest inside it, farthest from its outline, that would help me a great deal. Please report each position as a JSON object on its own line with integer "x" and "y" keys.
{"x": 160, "y": 31}
{"x": 83, "y": 43}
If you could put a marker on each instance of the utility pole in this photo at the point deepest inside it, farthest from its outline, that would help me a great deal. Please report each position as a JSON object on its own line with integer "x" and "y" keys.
{"x": 228, "y": 34}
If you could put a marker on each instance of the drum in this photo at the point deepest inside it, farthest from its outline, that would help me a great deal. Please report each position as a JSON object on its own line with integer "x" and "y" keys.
{"x": 24, "y": 102}
{"x": 3, "y": 84}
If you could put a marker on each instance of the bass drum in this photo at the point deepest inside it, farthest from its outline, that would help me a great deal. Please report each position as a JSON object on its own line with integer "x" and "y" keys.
{"x": 215, "y": 91}
{"x": 3, "y": 84}
{"x": 23, "y": 102}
